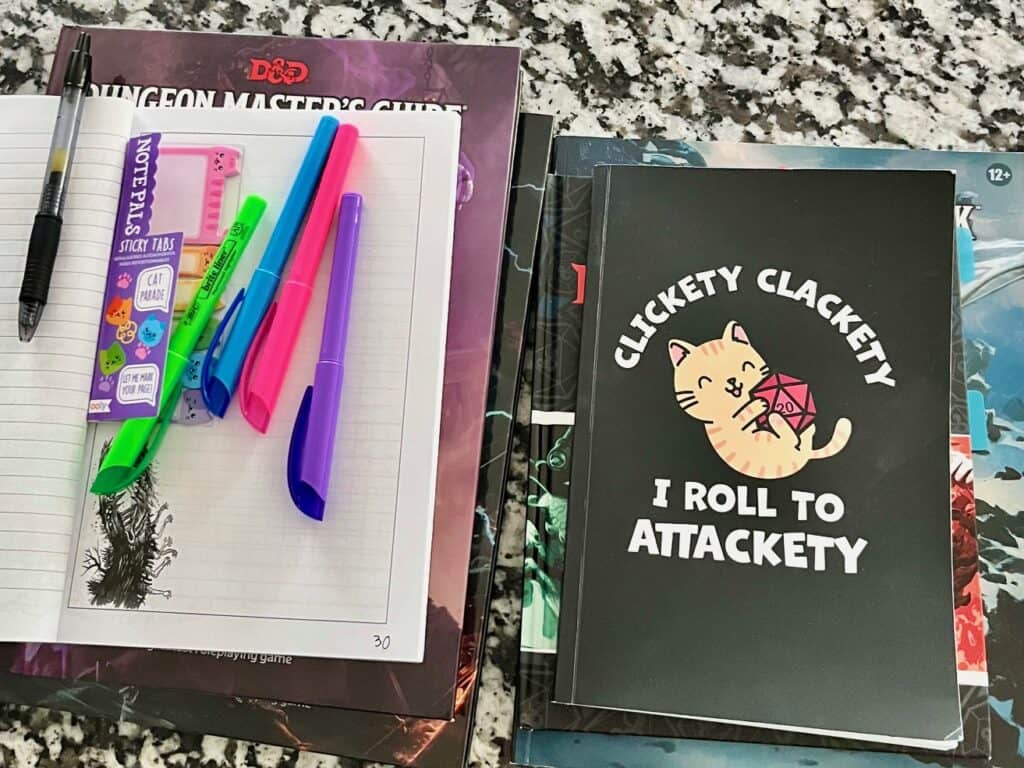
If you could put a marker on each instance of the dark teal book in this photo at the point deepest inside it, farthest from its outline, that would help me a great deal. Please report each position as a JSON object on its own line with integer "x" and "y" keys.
{"x": 542, "y": 725}
{"x": 558, "y": 308}
{"x": 988, "y": 234}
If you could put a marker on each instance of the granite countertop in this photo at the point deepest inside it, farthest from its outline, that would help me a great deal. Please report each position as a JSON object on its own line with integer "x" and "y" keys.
{"x": 933, "y": 74}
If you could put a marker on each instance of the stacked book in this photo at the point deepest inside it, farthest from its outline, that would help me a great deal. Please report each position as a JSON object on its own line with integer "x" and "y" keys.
{"x": 349, "y": 641}
{"x": 717, "y": 330}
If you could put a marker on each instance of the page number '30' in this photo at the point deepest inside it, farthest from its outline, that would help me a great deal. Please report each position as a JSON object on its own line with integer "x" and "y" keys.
{"x": 382, "y": 641}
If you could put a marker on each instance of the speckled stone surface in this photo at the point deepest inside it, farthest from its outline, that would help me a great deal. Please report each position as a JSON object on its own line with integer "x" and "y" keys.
{"x": 933, "y": 74}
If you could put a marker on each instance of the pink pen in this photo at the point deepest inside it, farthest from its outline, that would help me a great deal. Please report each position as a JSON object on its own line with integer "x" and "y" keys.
{"x": 267, "y": 362}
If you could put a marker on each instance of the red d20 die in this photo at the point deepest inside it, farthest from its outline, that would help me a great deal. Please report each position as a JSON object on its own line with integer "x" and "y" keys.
{"x": 789, "y": 397}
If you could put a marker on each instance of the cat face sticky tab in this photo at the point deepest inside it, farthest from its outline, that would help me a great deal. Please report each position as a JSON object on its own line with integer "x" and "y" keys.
{"x": 111, "y": 359}
{"x": 119, "y": 310}
{"x": 152, "y": 331}
{"x": 191, "y": 410}
{"x": 195, "y": 259}
{"x": 192, "y": 190}
{"x": 132, "y": 347}
{"x": 192, "y": 377}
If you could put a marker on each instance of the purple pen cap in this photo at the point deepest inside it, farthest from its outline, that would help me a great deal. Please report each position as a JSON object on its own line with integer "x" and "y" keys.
{"x": 309, "y": 502}
{"x": 311, "y": 452}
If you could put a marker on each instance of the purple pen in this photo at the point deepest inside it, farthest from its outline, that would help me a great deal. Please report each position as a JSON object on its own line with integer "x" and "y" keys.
{"x": 311, "y": 451}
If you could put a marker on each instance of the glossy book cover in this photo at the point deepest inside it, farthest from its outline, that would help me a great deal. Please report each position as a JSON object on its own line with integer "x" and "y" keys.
{"x": 481, "y": 84}
{"x": 390, "y": 738}
{"x": 541, "y": 725}
{"x": 989, "y": 240}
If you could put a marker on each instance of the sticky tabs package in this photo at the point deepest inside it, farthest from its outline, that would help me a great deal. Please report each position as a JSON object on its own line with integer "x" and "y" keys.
{"x": 169, "y": 225}
{"x": 135, "y": 327}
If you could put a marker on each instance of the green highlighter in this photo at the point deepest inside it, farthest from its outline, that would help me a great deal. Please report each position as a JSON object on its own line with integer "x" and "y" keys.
{"x": 137, "y": 441}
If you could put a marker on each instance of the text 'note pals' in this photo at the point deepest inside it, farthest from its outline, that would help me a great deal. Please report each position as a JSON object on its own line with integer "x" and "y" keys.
{"x": 139, "y": 298}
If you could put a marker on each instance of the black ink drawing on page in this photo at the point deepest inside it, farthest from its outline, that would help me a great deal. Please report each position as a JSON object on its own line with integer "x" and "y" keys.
{"x": 131, "y": 555}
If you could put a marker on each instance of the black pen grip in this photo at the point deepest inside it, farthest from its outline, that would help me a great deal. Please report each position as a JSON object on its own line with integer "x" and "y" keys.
{"x": 42, "y": 252}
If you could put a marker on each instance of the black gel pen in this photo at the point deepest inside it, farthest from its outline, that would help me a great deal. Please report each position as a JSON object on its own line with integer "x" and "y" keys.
{"x": 42, "y": 245}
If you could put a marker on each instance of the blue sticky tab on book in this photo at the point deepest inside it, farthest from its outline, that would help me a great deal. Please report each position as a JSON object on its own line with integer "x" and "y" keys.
{"x": 965, "y": 254}
{"x": 977, "y": 419}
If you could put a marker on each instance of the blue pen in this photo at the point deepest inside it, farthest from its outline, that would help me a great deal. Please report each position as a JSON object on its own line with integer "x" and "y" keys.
{"x": 220, "y": 374}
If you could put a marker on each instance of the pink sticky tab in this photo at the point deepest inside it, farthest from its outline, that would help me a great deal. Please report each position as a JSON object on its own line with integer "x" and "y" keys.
{"x": 190, "y": 189}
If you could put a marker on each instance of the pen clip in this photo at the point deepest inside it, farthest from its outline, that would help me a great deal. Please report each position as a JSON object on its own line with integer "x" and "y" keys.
{"x": 251, "y": 360}
{"x": 163, "y": 421}
{"x": 217, "y": 407}
{"x": 296, "y": 448}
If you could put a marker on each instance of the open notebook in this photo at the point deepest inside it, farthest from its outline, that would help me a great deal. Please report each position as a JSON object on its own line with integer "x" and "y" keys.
{"x": 235, "y": 567}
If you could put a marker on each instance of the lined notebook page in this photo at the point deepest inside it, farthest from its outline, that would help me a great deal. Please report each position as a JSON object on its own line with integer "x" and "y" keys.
{"x": 248, "y": 571}
{"x": 44, "y": 385}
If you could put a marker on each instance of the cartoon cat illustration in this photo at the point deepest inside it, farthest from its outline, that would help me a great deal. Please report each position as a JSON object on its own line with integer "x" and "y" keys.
{"x": 192, "y": 377}
{"x": 190, "y": 409}
{"x": 119, "y": 310}
{"x": 713, "y": 382}
{"x": 111, "y": 359}
{"x": 151, "y": 331}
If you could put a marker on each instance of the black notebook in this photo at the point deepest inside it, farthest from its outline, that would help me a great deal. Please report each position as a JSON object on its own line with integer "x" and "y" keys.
{"x": 759, "y": 527}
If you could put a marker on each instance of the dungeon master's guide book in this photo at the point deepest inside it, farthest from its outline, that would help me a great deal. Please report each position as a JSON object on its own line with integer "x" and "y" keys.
{"x": 184, "y": 69}
{"x": 762, "y": 436}
{"x": 393, "y": 713}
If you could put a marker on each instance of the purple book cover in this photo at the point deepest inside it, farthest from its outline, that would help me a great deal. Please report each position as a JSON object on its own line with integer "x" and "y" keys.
{"x": 139, "y": 298}
{"x": 377, "y": 736}
{"x": 480, "y": 82}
